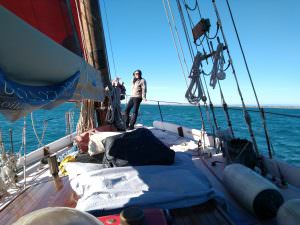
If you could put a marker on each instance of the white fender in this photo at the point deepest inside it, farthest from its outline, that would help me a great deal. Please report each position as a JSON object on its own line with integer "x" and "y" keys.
{"x": 254, "y": 192}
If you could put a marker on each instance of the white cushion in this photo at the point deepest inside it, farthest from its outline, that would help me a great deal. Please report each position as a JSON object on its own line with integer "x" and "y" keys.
{"x": 76, "y": 168}
{"x": 95, "y": 144}
{"x": 177, "y": 186}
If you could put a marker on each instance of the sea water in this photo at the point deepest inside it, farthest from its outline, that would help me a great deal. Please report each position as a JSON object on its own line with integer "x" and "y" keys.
{"x": 284, "y": 131}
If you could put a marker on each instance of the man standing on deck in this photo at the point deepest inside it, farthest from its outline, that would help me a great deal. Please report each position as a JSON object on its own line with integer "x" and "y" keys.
{"x": 138, "y": 93}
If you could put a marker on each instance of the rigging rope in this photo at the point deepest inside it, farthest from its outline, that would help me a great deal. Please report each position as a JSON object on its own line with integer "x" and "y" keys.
{"x": 196, "y": 80}
{"x": 2, "y": 149}
{"x": 197, "y": 45}
{"x": 11, "y": 141}
{"x": 267, "y": 112}
{"x": 177, "y": 35}
{"x": 224, "y": 104}
{"x": 174, "y": 40}
{"x": 217, "y": 72}
{"x": 225, "y": 109}
{"x": 209, "y": 120}
{"x": 45, "y": 123}
{"x": 177, "y": 103}
{"x": 246, "y": 115}
{"x": 201, "y": 42}
{"x": 201, "y": 116}
{"x": 24, "y": 148}
{"x": 191, "y": 22}
{"x": 86, "y": 117}
{"x": 189, "y": 16}
{"x": 252, "y": 84}
{"x": 185, "y": 29}
{"x": 69, "y": 119}
{"x": 211, "y": 105}
{"x": 207, "y": 38}
{"x": 160, "y": 113}
{"x": 212, "y": 59}
{"x": 196, "y": 84}
{"x": 190, "y": 8}
{"x": 216, "y": 34}
{"x": 194, "y": 8}
{"x": 109, "y": 38}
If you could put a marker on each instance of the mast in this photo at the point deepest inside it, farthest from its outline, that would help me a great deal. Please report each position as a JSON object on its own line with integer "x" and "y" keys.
{"x": 95, "y": 53}
{"x": 94, "y": 37}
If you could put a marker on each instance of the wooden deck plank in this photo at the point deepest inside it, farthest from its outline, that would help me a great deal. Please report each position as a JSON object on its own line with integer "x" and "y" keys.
{"x": 55, "y": 192}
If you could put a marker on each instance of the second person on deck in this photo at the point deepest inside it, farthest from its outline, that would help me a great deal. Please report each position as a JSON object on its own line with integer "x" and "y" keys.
{"x": 138, "y": 93}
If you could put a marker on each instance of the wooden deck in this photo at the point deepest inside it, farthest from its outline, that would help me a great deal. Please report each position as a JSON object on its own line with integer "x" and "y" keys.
{"x": 54, "y": 192}
{"x": 59, "y": 193}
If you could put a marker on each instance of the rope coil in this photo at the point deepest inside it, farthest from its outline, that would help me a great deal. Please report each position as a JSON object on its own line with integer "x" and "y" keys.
{"x": 217, "y": 72}
{"x": 114, "y": 115}
{"x": 194, "y": 92}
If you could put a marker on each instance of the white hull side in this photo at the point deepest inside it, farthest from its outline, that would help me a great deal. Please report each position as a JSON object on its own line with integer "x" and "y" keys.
{"x": 54, "y": 146}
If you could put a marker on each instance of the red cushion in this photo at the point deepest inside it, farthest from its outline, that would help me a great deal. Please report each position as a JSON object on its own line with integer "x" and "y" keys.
{"x": 152, "y": 217}
{"x": 83, "y": 139}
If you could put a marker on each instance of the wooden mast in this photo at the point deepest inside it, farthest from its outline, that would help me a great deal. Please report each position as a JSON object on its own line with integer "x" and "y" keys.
{"x": 95, "y": 54}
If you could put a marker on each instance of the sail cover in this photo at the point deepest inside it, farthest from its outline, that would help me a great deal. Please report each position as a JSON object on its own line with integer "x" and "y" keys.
{"x": 36, "y": 72}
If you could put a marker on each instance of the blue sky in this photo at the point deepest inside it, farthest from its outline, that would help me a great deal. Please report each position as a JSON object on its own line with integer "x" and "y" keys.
{"x": 269, "y": 31}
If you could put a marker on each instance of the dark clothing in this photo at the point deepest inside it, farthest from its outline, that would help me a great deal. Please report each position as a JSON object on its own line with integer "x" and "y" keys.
{"x": 135, "y": 103}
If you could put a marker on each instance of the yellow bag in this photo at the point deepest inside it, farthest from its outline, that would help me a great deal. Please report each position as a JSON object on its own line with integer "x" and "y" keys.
{"x": 68, "y": 158}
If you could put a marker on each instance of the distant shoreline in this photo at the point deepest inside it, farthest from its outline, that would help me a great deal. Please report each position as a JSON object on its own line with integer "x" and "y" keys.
{"x": 267, "y": 106}
{"x": 230, "y": 106}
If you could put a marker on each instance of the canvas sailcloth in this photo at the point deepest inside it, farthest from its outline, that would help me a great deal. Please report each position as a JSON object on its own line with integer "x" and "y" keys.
{"x": 36, "y": 72}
